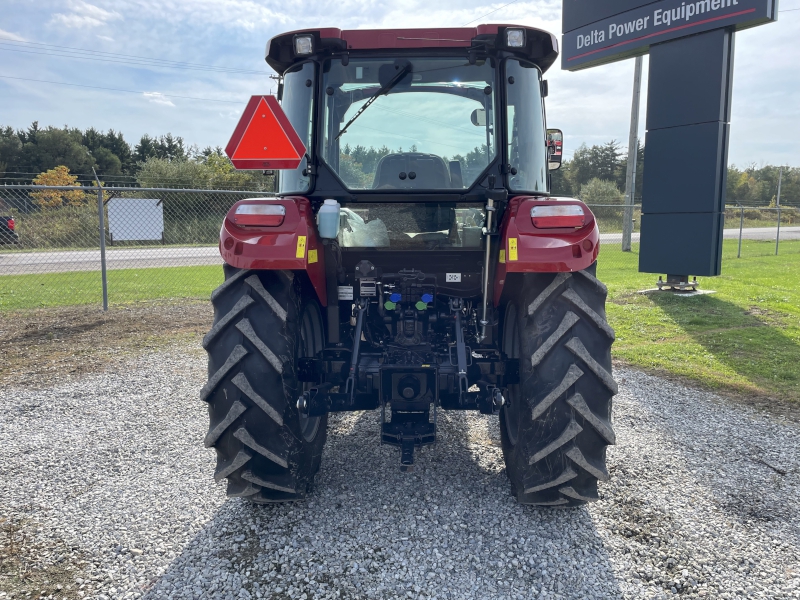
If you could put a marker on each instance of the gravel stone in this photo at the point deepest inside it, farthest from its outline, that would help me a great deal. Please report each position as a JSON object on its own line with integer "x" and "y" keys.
{"x": 106, "y": 476}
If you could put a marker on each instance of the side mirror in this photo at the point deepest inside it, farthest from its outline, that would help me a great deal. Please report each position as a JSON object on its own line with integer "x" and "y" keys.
{"x": 478, "y": 117}
{"x": 555, "y": 141}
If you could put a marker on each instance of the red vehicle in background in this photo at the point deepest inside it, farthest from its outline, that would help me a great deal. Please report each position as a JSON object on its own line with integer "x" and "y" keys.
{"x": 8, "y": 234}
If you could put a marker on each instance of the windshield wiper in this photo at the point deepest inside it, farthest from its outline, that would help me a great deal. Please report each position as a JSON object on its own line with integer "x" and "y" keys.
{"x": 381, "y": 92}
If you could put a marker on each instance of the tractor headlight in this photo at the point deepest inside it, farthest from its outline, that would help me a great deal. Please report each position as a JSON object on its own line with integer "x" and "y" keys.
{"x": 303, "y": 45}
{"x": 515, "y": 38}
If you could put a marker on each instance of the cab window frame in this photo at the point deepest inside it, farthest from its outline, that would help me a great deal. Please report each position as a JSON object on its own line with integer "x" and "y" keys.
{"x": 356, "y": 194}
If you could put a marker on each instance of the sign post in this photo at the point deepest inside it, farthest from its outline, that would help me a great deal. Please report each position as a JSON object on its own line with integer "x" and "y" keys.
{"x": 691, "y": 45}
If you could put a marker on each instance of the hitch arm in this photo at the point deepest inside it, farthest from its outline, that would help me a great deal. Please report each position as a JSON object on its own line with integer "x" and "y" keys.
{"x": 461, "y": 351}
{"x": 496, "y": 197}
{"x": 350, "y": 386}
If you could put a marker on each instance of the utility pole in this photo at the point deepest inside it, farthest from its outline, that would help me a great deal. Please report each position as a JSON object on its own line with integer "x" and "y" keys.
{"x": 633, "y": 151}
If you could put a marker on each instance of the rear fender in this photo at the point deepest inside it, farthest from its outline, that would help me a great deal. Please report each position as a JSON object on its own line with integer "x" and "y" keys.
{"x": 293, "y": 245}
{"x": 527, "y": 249}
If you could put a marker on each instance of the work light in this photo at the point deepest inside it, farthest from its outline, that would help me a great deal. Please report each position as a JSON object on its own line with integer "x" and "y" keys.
{"x": 515, "y": 38}
{"x": 303, "y": 45}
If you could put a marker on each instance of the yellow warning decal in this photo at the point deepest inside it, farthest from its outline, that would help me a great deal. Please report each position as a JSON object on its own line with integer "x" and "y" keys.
{"x": 312, "y": 256}
{"x": 503, "y": 255}
{"x": 512, "y": 249}
{"x": 301, "y": 246}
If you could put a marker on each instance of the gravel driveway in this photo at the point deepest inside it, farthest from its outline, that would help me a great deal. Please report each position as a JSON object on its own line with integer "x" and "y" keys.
{"x": 106, "y": 492}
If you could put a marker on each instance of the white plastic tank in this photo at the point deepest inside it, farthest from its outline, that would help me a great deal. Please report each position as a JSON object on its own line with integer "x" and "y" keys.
{"x": 328, "y": 219}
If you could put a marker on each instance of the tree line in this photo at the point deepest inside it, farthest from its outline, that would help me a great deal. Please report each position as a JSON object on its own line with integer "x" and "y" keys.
{"x": 155, "y": 161}
{"x": 596, "y": 173}
{"x": 357, "y": 164}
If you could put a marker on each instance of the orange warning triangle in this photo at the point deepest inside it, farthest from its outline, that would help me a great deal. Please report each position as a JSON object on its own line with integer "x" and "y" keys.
{"x": 264, "y": 138}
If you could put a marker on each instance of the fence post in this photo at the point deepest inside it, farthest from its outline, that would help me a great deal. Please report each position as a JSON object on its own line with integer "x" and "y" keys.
{"x": 741, "y": 226}
{"x": 778, "y": 203}
{"x": 102, "y": 219}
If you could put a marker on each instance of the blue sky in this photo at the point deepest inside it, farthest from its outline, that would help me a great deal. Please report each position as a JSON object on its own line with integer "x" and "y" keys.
{"x": 591, "y": 106}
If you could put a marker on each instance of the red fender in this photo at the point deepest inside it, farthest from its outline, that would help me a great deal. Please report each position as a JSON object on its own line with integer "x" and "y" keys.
{"x": 293, "y": 245}
{"x": 527, "y": 249}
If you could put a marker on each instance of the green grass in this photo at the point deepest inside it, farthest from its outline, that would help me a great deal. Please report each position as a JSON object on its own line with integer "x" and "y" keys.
{"x": 744, "y": 338}
{"x": 124, "y": 286}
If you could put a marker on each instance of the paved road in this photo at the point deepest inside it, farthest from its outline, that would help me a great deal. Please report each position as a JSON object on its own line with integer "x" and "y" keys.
{"x": 89, "y": 260}
{"x": 18, "y": 263}
{"x": 752, "y": 233}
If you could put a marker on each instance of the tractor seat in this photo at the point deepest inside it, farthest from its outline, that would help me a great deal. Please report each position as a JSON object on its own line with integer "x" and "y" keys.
{"x": 432, "y": 239}
{"x": 429, "y": 172}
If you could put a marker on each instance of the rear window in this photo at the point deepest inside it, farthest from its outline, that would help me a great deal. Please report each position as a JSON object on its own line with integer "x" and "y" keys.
{"x": 416, "y": 226}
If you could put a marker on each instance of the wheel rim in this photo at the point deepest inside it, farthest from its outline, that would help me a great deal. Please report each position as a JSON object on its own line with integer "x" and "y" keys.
{"x": 310, "y": 343}
{"x": 511, "y": 348}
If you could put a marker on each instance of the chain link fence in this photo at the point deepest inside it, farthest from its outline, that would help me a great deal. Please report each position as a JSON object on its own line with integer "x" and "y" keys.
{"x": 749, "y": 232}
{"x": 161, "y": 243}
{"x": 768, "y": 225}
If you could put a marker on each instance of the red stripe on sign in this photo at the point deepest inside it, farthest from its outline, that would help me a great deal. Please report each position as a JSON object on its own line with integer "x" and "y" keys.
{"x": 649, "y": 35}
{"x": 241, "y": 126}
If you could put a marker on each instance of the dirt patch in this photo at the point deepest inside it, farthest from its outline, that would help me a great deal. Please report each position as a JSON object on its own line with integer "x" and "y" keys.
{"x": 41, "y": 346}
{"x": 31, "y": 566}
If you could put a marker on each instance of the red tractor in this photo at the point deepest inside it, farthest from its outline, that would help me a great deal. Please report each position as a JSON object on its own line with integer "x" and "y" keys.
{"x": 414, "y": 261}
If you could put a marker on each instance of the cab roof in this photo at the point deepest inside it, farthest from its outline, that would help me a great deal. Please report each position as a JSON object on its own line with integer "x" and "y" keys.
{"x": 541, "y": 47}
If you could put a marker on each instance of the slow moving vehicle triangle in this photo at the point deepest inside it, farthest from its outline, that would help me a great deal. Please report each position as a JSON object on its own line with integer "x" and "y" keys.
{"x": 264, "y": 138}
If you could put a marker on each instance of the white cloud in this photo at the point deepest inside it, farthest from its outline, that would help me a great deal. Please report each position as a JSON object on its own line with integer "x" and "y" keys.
{"x": 158, "y": 98}
{"x": 84, "y": 14}
{"x": 11, "y": 36}
{"x": 248, "y": 15}
{"x": 591, "y": 106}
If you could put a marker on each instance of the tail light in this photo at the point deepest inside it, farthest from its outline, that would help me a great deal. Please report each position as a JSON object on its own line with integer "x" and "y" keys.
{"x": 11, "y": 224}
{"x": 555, "y": 215}
{"x": 259, "y": 215}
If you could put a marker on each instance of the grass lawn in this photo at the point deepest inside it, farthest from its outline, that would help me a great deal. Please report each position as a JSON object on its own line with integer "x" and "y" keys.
{"x": 744, "y": 338}
{"x": 124, "y": 286}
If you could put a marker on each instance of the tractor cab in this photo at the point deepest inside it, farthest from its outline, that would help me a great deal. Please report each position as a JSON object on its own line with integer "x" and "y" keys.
{"x": 390, "y": 114}
{"x": 415, "y": 133}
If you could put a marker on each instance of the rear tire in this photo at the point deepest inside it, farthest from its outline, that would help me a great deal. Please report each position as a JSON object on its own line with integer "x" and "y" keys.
{"x": 556, "y": 424}
{"x": 263, "y": 322}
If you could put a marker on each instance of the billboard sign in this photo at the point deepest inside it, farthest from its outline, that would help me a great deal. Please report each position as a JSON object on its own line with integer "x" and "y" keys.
{"x": 632, "y": 32}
